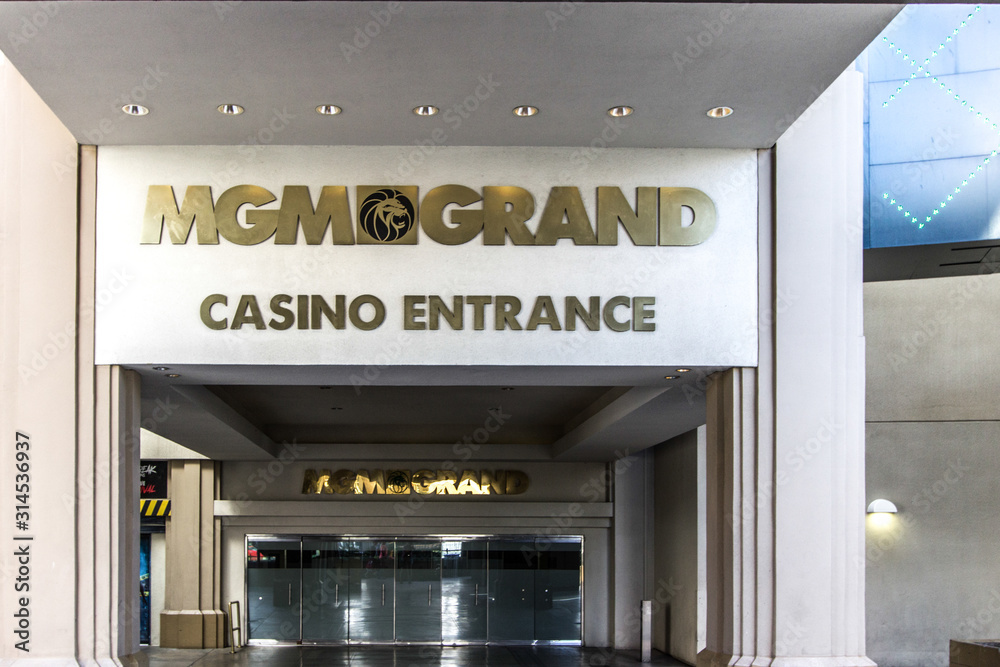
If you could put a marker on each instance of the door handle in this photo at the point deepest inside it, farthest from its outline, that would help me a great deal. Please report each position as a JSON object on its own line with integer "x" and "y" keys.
{"x": 477, "y": 595}
{"x": 336, "y": 595}
{"x": 428, "y": 595}
{"x": 289, "y": 595}
{"x": 383, "y": 595}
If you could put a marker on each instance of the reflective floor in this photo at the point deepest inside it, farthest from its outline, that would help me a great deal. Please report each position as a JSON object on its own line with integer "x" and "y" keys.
{"x": 400, "y": 656}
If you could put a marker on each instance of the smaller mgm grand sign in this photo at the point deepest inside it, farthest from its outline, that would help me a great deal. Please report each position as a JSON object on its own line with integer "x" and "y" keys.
{"x": 424, "y": 482}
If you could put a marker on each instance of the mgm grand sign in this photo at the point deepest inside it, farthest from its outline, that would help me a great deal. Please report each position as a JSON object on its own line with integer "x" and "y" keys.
{"x": 449, "y": 215}
{"x": 424, "y": 482}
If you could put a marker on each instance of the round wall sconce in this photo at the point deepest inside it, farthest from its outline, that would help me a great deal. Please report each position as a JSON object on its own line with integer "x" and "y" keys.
{"x": 882, "y": 506}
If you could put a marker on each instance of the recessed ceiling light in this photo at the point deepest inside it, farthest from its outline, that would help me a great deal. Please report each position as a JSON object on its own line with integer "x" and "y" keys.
{"x": 336, "y": 407}
{"x": 425, "y": 110}
{"x": 669, "y": 377}
{"x": 135, "y": 110}
{"x": 720, "y": 112}
{"x": 506, "y": 389}
{"x": 230, "y": 109}
{"x": 618, "y": 112}
{"x": 683, "y": 370}
{"x": 173, "y": 375}
{"x": 161, "y": 368}
{"x": 525, "y": 110}
{"x": 328, "y": 110}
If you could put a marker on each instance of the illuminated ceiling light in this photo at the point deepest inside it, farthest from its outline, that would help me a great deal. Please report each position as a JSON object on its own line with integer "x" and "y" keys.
{"x": 719, "y": 112}
{"x": 525, "y": 110}
{"x": 173, "y": 375}
{"x": 669, "y": 377}
{"x": 683, "y": 370}
{"x": 619, "y": 112}
{"x": 882, "y": 506}
{"x": 230, "y": 109}
{"x": 135, "y": 110}
{"x": 328, "y": 110}
{"x": 425, "y": 110}
{"x": 161, "y": 368}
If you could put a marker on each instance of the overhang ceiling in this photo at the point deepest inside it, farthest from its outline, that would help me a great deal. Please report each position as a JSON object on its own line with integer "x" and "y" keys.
{"x": 670, "y": 61}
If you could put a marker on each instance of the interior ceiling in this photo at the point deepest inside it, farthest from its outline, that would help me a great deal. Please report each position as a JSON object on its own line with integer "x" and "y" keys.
{"x": 670, "y": 61}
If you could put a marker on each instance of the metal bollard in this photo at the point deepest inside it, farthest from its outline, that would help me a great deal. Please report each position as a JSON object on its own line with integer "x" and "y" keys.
{"x": 647, "y": 630}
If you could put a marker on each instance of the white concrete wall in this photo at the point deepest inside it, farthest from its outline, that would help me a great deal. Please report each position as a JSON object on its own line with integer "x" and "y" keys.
{"x": 38, "y": 315}
{"x": 932, "y": 434}
{"x": 679, "y": 515}
{"x": 633, "y": 544}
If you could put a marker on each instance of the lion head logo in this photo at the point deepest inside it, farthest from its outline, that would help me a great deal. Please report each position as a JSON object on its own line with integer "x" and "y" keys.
{"x": 386, "y": 215}
{"x": 397, "y": 482}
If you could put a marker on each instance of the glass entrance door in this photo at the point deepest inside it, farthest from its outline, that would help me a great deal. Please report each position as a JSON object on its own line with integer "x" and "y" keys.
{"x": 274, "y": 588}
{"x": 509, "y": 590}
{"x": 326, "y": 590}
{"x": 418, "y": 591}
{"x": 372, "y": 590}
{"x": 464, "y": 596}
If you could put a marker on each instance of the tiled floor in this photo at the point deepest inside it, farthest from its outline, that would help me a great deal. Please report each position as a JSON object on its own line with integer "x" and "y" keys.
{"x": 400, "y": 656}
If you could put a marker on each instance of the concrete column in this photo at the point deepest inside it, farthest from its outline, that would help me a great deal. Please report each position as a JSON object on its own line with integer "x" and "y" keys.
{"x": 192, "y": 617}
{"x": 786, "y": 440}
{"x": 70, "y": 568}
{"x": 633, "y": 543}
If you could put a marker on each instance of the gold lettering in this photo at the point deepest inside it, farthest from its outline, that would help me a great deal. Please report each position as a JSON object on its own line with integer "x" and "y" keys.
{"x": 544, "y": 313}
{"x": 505, "y": 314}
{"x": 319, "y": 308}
{"x": 206, "y": 312}
{"x": 565, "y": 203}
{"x": 354, "y": 312}
{"x": 469, "y": 483}
{"x": 424, "y": 482}
{"x": 505, "y": 210}
{"x": 445, "y": 482}
{"x": 332, "y": 211}
{"x": 517, "y": 482}
{"x": 436, "y": 308}
{"x": 464, "y": 224}
{"x": 161, "y": 210}
{"x": 248, "y": 311}
{"x": 479, "y": 304}
{"x": 343, "y": 481}
{"x": 609, "y": 313}
{"x": 672, "y": 228}
{"x": 260, "y": 224}
{"x": 641, "y": 313}
{"x": 613, "y": 208}
{"x": 278, "y": 308}
{"x": 369, "y": 484}
{"x": 493, "y": 483}
{"x": 591, "y": 317}
{"x": 412, "y": 309}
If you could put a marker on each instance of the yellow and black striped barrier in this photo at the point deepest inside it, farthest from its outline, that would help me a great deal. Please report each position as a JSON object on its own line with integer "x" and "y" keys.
{"x": 152, "y": 507}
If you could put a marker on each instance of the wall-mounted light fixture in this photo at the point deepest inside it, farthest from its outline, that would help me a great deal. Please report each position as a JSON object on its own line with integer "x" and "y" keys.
{"x": 882, "y": 506}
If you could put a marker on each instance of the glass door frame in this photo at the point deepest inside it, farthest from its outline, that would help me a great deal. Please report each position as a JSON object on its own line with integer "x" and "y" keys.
{"x": 441, "y": 537}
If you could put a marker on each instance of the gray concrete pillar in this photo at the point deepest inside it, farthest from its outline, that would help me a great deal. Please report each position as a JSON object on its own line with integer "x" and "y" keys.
{"x": 192, "y": 617}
